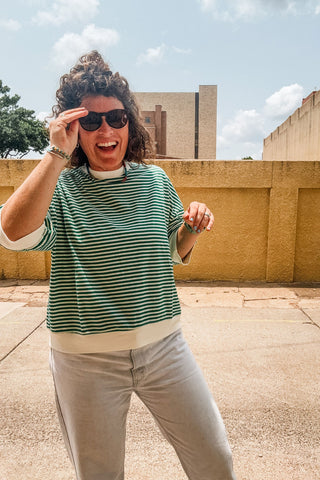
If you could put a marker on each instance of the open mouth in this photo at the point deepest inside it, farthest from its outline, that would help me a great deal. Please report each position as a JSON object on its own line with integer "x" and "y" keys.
{"x": 107, "y": 146}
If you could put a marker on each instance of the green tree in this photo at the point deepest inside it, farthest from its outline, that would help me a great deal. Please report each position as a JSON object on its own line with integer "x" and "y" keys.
{"x": 20, "y": 131}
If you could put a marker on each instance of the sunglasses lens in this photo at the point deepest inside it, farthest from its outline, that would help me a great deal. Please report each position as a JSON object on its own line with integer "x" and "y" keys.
{"x": 117, "y": 118}
{"x": 91, "y": 122}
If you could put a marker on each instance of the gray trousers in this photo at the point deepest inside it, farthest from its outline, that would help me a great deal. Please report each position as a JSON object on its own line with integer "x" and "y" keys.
{"x": 93, "y": 396}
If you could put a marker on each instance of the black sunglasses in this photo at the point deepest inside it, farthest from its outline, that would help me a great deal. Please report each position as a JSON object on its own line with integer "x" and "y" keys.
{"x": 115, "y": 118}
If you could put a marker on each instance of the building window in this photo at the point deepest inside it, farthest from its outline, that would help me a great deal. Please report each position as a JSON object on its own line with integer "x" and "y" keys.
{"x": 147, "y": 119}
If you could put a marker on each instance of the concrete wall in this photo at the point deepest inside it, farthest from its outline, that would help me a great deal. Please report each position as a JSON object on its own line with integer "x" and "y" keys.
{"x": 298, "y": 138}
{"x": 19, "y": 264}
{"x": 267, "y": 223}
{"x": 181, "y": 112}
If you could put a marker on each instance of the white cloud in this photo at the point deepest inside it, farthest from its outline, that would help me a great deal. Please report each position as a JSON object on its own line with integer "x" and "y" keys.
{"x": 182, "y": 51}
{"x": 231, "y": 10}
{"x": 63, "y": 11}
{"x": 11, "y": 25}
{"x": 245, "y": 126}
{"x": 317, "y": 8}
{"x": 152, "y": 55}
{"x": 244, "y": 133}
{"x": 283, "y": 102}
{"x": 69, "y": 47}
{"x": 155, "y": 55}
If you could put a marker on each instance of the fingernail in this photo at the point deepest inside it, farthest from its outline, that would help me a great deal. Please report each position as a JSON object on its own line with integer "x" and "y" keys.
{"x": 195, "y": 228}
{"x": 199, "y": 231}
{"x": 191, "y": 219}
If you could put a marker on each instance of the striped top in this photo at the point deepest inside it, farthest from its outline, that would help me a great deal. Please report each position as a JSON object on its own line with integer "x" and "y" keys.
{"x": 111, "y": 265}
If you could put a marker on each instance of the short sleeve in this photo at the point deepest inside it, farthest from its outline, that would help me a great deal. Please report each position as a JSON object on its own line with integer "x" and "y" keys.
{"x": 175, "y": 222}
{"x": 42, "y": 239}
{"x": 28, "y": 241}
{"x": 176, "y": 211}
{"x": 176, "y": 259}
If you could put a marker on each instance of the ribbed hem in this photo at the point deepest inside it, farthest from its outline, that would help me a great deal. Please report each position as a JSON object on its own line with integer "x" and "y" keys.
{"x": 114, "y": 341}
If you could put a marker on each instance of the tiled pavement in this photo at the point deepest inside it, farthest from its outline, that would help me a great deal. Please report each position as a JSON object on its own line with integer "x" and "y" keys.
{"x": 258, "y": 346}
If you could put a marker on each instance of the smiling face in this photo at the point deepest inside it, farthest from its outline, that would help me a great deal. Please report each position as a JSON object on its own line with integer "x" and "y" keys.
{"x": 106, "y": 147}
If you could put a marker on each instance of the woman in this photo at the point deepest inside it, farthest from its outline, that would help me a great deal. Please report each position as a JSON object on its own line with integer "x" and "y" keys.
{"x": 115, "y": 226}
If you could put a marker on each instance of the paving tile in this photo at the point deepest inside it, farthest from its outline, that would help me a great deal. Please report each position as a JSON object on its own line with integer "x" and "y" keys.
{"x": 314, "y": 315}
{"x": 264, "y": 292}
{"x": 7, "y": 307}
{"x": 17, "y": 324}
{"x": 271, "y": 303}
{"x": 313, "y": 303}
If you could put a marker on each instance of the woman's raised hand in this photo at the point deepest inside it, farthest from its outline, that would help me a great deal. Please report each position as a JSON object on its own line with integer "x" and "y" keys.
{"x": 199, "y": 217}
{"x": 64, "y": 129}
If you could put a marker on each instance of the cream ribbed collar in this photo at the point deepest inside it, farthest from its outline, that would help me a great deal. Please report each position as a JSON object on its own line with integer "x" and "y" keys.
{"x": 102, "y": 175}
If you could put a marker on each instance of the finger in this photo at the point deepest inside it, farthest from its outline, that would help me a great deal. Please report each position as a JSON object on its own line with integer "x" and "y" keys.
{"x": 72, "y": 114}
{"x": 199, "y": 217}
{"x": 67, "y": 119}
{"x": 210, "y": 220}
{"x": 72, "y": 111}
{"x": 211, "y": 223}
{"x": 200, "y": 221}
{"x": 207, "y": 220}
{"x": 73, "y": 129}
{"x": 186, "y": 216}
{"x": 191, "y": 213}
{"x": 70, "y": 117}
{"x": 64, "y": 135}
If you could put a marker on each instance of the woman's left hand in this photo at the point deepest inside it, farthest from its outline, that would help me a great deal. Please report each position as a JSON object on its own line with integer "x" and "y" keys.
{"x": 199, "y": 217}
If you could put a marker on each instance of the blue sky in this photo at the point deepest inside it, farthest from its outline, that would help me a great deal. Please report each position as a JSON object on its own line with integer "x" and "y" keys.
{"x": 262, "y": 54}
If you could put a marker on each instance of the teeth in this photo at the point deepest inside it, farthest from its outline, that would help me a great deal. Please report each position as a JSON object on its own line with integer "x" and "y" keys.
{"x": 107, "y": 144}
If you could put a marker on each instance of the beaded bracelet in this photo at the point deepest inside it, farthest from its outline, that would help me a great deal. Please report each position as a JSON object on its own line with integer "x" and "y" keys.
{"x": 60, "y": 153}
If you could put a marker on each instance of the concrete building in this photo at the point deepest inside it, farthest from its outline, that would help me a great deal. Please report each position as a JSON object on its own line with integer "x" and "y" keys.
{"x": 155, "y": 121}
{"x": 190, "y": 119}
{"x": 298, "y": 138}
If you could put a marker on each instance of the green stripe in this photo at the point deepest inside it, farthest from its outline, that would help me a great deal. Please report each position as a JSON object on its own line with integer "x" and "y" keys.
{"x": 111, "y": 263}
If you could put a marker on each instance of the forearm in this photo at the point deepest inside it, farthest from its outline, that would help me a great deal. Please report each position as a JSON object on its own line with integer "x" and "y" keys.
{"x": 185, "y": 241}
{"x": 26, "y": 209}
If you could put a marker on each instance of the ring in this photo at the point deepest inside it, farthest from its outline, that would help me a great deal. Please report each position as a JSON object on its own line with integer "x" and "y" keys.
{"x": 62, "y": 114}
{"x": 207, "y": 215}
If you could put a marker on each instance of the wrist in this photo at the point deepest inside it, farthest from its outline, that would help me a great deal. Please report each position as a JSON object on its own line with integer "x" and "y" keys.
{"x": 190, "y": 229}
{"x": 58, "y": 152}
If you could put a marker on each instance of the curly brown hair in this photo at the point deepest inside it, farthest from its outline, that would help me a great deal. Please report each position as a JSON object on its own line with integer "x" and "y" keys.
{"x": 92, "y": 76}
